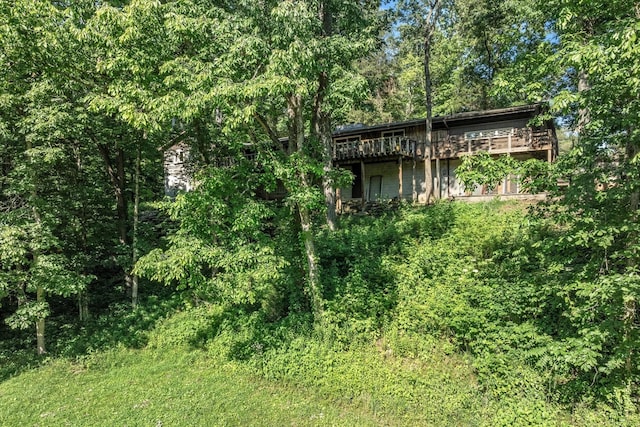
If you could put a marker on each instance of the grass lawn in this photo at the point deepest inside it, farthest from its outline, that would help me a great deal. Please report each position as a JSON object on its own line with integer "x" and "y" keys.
{"x": 143, "y": 388}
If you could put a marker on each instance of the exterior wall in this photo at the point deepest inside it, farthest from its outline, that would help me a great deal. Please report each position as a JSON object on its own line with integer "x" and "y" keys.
{"x": 450, "y": 186}
{"x": 345, "y": 193}
{"x": 390, "y": 184}
{"x": 176, "y": 171}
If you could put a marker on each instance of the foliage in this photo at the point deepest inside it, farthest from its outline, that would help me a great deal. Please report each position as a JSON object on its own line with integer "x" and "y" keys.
{"x": 484, "y": 55}
{"x": 483, "y": 170}
{"x": 544, "y": 306}
{"x": 225, "y": 250}
{"x": 514, "y": 292}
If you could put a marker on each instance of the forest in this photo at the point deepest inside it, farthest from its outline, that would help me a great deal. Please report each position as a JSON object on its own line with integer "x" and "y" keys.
{"x": 495, "y": 314}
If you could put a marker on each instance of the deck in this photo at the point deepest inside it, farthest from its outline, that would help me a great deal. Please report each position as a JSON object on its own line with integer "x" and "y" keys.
{"x": 500, "y": 141}
{"x": 377, "y": 147}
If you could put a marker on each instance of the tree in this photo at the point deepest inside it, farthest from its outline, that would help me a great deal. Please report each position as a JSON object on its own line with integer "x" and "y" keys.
{"x": 126, "y": 46}
{"x": 423, "y": 17}
{"x": 265, "y": 59}
{"x": 39, "y": 131}
{"x": 598, "y": 52}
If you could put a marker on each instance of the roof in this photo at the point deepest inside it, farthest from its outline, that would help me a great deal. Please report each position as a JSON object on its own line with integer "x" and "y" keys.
{"x": 451, "y": 119}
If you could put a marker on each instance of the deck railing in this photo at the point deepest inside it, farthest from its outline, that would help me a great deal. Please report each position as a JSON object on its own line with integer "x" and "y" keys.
{"x": 378, "y": 147}
{"x": 500, "y": 142}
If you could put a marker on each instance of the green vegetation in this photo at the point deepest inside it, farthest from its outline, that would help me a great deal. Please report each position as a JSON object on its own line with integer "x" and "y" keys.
{"x": 421, "y": 327}
{"x": 447, "y": 314}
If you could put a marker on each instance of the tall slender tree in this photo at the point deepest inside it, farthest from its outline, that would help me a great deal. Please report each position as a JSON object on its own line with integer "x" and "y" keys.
{"x": 423, "y": 17}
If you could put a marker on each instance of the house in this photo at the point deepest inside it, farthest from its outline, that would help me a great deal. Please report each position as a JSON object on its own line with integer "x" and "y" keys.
{"x": 177, "y": 172}
{"x": 392, "y": 161}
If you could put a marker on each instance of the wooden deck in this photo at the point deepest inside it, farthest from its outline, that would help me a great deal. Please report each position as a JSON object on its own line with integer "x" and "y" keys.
{"x": 378, "y": 147}
{"x": 493, "y": 142}
{"x": 501, "y": 141}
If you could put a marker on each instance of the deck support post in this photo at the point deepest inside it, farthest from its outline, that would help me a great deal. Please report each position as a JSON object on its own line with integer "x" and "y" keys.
{"x": 438, "y": 192}
{"x": 400, "y": 178}
{"x": 362, "y": 182}
{"x": 414, "y": 194}
{"x": 507, "y": 181}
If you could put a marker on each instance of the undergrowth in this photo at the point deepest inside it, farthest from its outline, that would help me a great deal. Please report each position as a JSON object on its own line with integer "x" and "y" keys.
{"x": 452, "y": 314}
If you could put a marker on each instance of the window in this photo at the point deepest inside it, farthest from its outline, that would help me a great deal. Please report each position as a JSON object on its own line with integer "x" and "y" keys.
{"x": 439, "y": 135}
{"x": 347, "y": 139}
{"x": 346, "y": 147}
{"x": 392, "y": 133}
{"x": 488, "y": 133}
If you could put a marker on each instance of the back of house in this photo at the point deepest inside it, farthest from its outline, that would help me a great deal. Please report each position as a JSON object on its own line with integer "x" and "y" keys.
{"x": 393, "y": 161}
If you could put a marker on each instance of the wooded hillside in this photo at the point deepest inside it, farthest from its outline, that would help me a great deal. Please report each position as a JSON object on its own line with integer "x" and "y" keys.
{"x": 92, "y": 92}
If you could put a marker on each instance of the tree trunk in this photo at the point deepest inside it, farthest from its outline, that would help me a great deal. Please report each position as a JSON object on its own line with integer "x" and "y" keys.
{"x": 79, "y": 182}
{"x": 118, "y": 182}
{"x": 583, "y": 113}
{"x": 313, "y": 280}
{"x": 40, "y": 298}
{"x": 40, "y": 294}
{"x": 297, "y": 143}
{"x": 327, "y": 181}
{"x": 630, "y": 308}
{"x": 321, "y": 124}
{"x": 428, "y": 36}
{"x": 121, "y": 198}
{"x": 134, "y": 240}
{"x": 428, "y": 173}
{"x": 83, "y": 306}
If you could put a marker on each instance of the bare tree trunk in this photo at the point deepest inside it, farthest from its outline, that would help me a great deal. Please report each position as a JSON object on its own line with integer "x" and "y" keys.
{"x": 315, "y": 294}
{"x": 121, "y": 198}
{"x": 83, "y": 306}
{"x": 40, "y": 337}
{"x": 327, "y": 181}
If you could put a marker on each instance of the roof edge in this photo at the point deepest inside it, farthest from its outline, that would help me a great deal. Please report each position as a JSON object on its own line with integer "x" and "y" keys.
{"x": 468, "y": 115}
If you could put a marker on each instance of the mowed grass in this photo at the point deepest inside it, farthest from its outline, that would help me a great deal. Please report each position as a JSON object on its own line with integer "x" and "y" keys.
{"x": 144, "y": 388}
